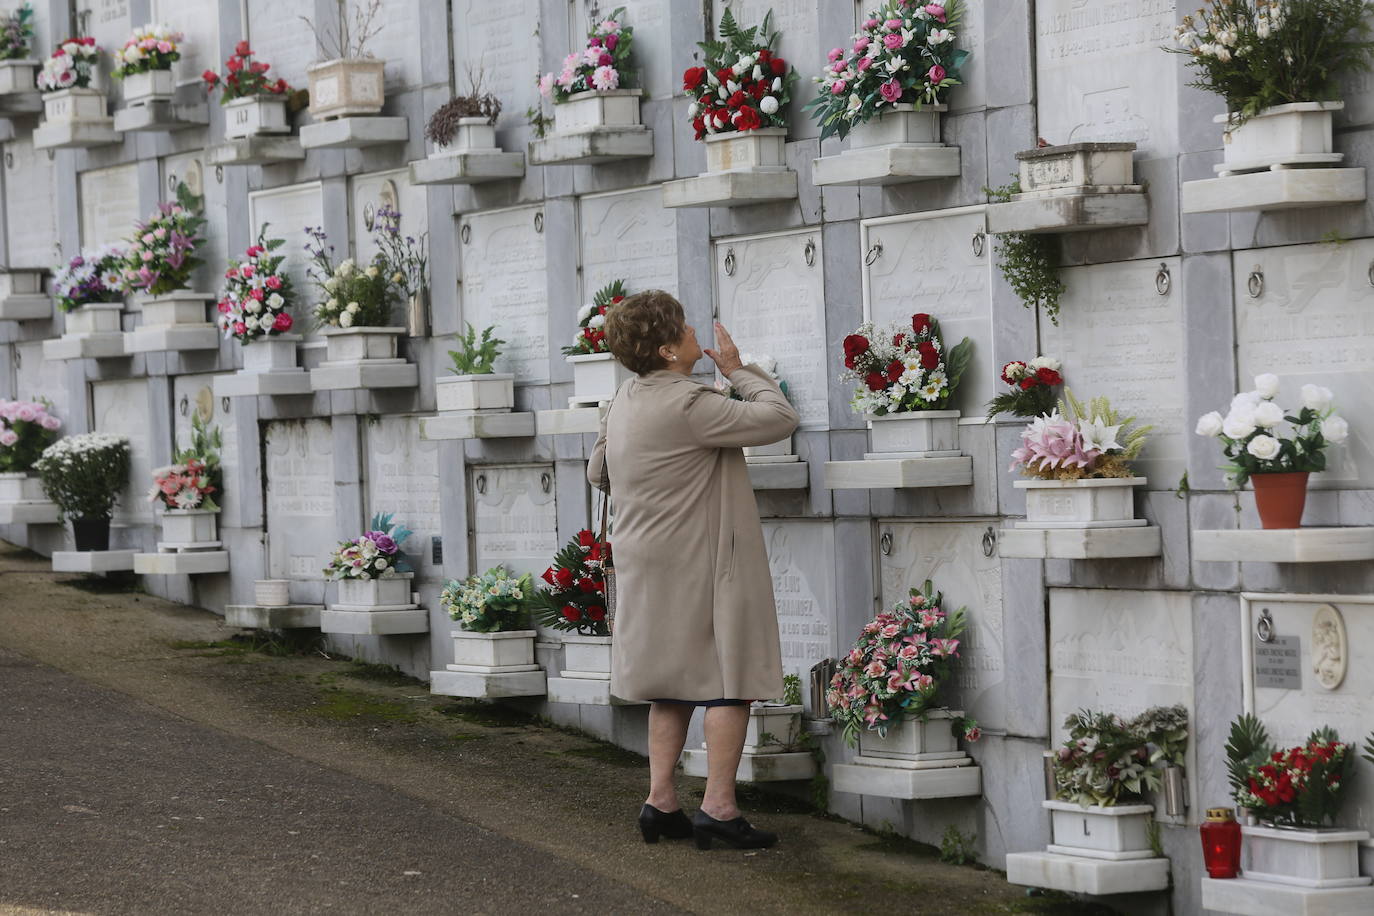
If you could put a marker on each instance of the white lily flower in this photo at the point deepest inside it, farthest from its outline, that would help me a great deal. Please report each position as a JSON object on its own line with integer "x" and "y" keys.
{"x": 1098, "y": 435}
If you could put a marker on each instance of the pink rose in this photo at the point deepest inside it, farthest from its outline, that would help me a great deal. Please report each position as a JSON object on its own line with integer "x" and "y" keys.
{"x": 282, "y": 322}
{"x": 864, "y": 63}
{"x": 147, "y": 256}
{"x": 893, "y": 24}
{"x": 26, "y": 413}
{"x": 240, "y": 327}
{"x": 256, "y": 294}
{"x": 247, "y": 271}
{"x": 893, "y": 41}
{"x": 936, "y": 11}
{"x": 605, "y": 60}
{"x": 8, "y": 437}
{"x": 891, "y": 91}
{"x": 862, "y": 43}
{"x": 273, "y": 282}
{"x": 936, "y": 74}
{"x": 838, "y": 87}
{"x": 50, "y": 422}
{"x": 611, "y": 41}
{"x": 835, "y": 54}
{"x": 871, "y": 23}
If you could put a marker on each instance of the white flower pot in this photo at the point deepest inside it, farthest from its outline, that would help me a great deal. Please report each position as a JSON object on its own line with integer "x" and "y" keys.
{"x": 189, "y": 526}
{"x": 779, "y": 449}
{"x": 352, "y": 344}
{"x": 95, "y": 318}
{"x": 16, "y": 486}
{"x": 772, "y": 728}
{"x": 272, "y": 592}
{"x": 74, "y": 105}
{"x": 911, "y": 739}
{"x": 762, "y": 148}
{"x": 597, "y": 377}
{"x": 254, "y": 115}
{"x": 586, "y": 110}
{"x": 1075, "y": 165}
{"x": 899, "y": 124}
{"x": 474, "y": 135}
{"x": 493, "y": 650}
{"x": 1303, "y": 857}
{"x": 343, "y": 87}
{"x": 915, "y": 434}
{"x": 384, "y": 592}
{"x": 180, "y": 307}
{"x": 275, "y": 353}
{"x": 1281, "y": 134}
{"x": 495, "y": 391}
{"x": 1080, "y": 503}
{"x": 587, "y": 655}
{"x": 17, "y": 75}
{"x": 149, "y": 86}
{"x": 1112, "y": 832}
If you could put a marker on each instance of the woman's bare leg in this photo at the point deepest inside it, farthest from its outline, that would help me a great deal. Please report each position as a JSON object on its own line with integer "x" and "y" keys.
{"x": 667, "y": 733}
{"x": 725, "y": 729}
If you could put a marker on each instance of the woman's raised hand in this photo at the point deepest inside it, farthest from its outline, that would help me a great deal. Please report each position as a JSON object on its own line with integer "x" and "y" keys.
{"x": 726, "y": 357}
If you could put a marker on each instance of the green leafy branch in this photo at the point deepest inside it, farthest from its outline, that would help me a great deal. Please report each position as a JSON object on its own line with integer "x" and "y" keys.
{"x": 1029, "y": 262}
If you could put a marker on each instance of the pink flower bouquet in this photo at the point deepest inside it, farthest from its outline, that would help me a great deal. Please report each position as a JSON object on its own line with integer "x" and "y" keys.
{"x": 161, "y": 256}
{"x": 1079, "y": 441}
{"x": 26, "y": 428}
{"x": 256, "y": 293}
{"x": 603, "y": 65}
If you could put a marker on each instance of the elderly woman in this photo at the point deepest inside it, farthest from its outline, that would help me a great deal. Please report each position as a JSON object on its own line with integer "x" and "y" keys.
{"x": 695, "y": 623}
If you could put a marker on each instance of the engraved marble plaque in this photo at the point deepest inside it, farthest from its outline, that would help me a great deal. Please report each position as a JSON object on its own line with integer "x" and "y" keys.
{"x": 288, "y": 211}
{"x": 107, "y": 21}
{"x": 199, "y": 21}
{"x": 35, "y": 377}
{"x": 198, "y": 390}
{"x": 300, "y": 497}
{"x": 514, "y": 517}
{"x": 109, "y": 205}
{"x": 121, "y": 409}
{"x": 280, "y": 38}
{"x": 627, "y": 234}
{"x": 1101, "y": 74}
{"x": 774, "y": 305}
{"x": 1119, "y": 338}
{"x": 30, "y": 217}
{"x": 801, "y": 558}
{"x": 368, "y": 193}
{"x": 504, "y": 284}
{"x": 499, "y": 40}
{"x": 653, "y": 44}
{"x": 1291, "y": 714}
{"x": 928, "y": 264}
{"x": 1313, "y": 323}
{"x": 952, "y": 556}
{"x": 403, "y": 479}
{"x": 398, "y": 43}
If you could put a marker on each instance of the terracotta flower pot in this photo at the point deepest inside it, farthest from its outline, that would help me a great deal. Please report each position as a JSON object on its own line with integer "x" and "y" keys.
{"x": 1280, "y": 498}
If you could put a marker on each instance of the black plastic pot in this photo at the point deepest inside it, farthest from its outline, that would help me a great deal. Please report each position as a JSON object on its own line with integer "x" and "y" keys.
{"x": 91, "y": 533}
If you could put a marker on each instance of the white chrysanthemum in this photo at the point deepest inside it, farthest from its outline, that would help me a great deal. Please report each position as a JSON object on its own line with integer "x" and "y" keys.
{"x": 345, "y": 320}
{"x": 584, "y": 313}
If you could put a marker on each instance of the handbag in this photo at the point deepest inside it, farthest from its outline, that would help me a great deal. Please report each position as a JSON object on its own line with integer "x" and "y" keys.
{"x": 607, "y": 563}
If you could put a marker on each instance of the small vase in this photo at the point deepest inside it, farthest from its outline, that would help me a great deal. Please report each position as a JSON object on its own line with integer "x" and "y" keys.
{"x": 91, "y": 534}
{"x": 1280, "y": 498}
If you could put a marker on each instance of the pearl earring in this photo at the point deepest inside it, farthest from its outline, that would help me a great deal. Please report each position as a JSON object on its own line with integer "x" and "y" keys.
{"x": 673, "y": 357}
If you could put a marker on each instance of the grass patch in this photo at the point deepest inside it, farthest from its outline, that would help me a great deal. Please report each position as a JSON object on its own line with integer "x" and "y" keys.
{"x": 608, "y": 753}
{"x": 350, "y": 706}
{"x": 891, "y": 842}
{"x": 380, "y": 674}
{"x": 197, "y": 648}
{"x": 487, "y": 715}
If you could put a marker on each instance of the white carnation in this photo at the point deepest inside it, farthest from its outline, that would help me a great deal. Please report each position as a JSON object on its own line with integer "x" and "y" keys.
{"x": 1045, "y": 362}
{"x": 584, "y": 313}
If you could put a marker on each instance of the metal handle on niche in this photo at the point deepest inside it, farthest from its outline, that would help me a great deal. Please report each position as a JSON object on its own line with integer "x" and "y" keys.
{"x": 809, "y": 253}
{"x": 1264, "y": 627}
{"x": 1163, "y": 281}
{"x": 1255, "y": 284}
{"x": 1370, "y": 273}
{"x": 980, "y": 239}
{"x": 989, "y": 542}
{"x": 730, "y": 262}
{"x": 546, "y": 481}
{"x": 184, "y": 406}
{"x": 465, "y": 233}
{"x": 874, "y": 253}
{"x": 224, "y": 404}
{"x": 480, "y": 484}
{"x": 885, "y": 543}
{"x": 539, "y": 221}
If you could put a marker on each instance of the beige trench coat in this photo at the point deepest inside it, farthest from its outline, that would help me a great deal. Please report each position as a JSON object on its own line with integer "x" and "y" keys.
{"x": 695, "y": 618}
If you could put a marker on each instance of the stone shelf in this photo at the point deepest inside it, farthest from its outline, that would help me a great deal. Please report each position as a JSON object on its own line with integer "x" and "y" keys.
{"x": 468, "y": 168}
{"x": 487, "y": 686}
{"x": 569, "y": 422}
{"x": 354, "y": 133}
{"x": 252, "y": 384}
{"x": 586, "y": 691}
{"x": 183, "y": 563}
{"x": 94, "y": 345}
{"x": 1071, "y": 210}
{"x": 169, "y": 338}
{"x": 1079, "y": 543}
{"x": 29, "y": 102}
{"x": 593, "y": 146}
{"x": 899, "y": 473}
{"x": 1248, "y": 897}
{"x": 784, "y": 767}
{"x": 779, "y": 475}
{"x": 284, "y": 617}
{"x": 735, "y": 188}
{"x": 495, "y": 425}
{"x": 389, "y": 620}
{"x": 93, "y": 561}
{"x": 908, "y": 784}
{"x": 75, "y": 135}
{"x": 1284, "y": 545}
{"x": 883, "y": 165}
{"x": 256, "y": 151}
{"x": 160, "y": 116}
{"x": 367, "y": 373}
{"x": 1279, "y": 189}
{"x": 26, "y": 307}
{"x": 29, "y": 512}
{"x": 1082, "y": 875}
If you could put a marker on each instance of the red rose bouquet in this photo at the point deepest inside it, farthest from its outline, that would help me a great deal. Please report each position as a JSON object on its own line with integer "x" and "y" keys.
{"x": 245, "y": 77}
{"x": 1032, "y": 388}
{"x": 591, "y": 319}
{"x": 256, "y": 293}
{"x": 575, "y": 598}
{"x": 903, "y": 368}
{"x": 744, "y": 85}
{"x": 1301, "y": 786}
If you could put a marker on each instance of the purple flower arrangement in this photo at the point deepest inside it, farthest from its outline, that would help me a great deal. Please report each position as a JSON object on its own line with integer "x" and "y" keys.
{"x": 161, "y": 256}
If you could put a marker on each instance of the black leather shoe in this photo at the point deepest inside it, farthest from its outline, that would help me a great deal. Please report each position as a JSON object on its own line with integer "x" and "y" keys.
{"x": 738, "y": 833}
{"x": 654, "y": 823}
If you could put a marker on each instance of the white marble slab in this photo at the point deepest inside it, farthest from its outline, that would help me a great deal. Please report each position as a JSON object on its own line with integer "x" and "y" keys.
{"x": 189, "y": 563}
{"x": 653, "y": 45}
{"x": 1284, "y": 545}
{"x": 402, "y": 472}
{"x": 280, "y": 38}
{"x": 801, "y": 559}
{"x": 286, "y": 617}
{"x": 1100, "y": 73}
{"x": 487, "y": 686}
{"x": 398, "y": 43}
{"x": 199, "y": 20}
{"x": 928, "y": 264}
{"x": 909, "y": 785}
{"x": 1283, "y": 189}
{"x": 30, "y": 217}
{"x": 299, "y": 469}
{"x": 1266, "y": 898}
{"x": 109, "y": 204}
{"x": 374, "y": 623}
{"x": 109, "y": 22}
{"x": 784, "y": 767}
{"x": 504, "y": 283}
{"x": 1119, "y": 338}
{"x": 774, "y": 305}
{"x": 368, "y": 193}
{"x": 36, "y": 377}
{"x": 198, "y": 391}
{"x": 1081, "y": 875}
{"x": 899, "y": 473}
{"x": 629, "y": 235}
{"x": 514, "y": 517}
{"x": 499, "y": 41}
{"x": 1312, "y": 324}
{"x": 93, "y": 561}
{"x": 121, "y": 408}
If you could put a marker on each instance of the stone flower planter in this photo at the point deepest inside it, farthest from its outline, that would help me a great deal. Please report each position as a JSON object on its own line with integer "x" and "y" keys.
{"x": 1109, "y": 502}
{"x": 276, "y": 353}
{"x": 781, "y": 725}
{"x": 1299, "y": 132}
{"x": 495, "y": 391}
{"x": 18, "y": 487}
{"x": 779, "y": 449}
{"x": 149, "y": 86}
{"x": 912, "y": 739}
{"x": 387, "y": 591}
{"x": 352, "y": 344}
{"x": 272, "y": 592}
{"x": 1075, "y": 165}
{"x": 749, "y": 149}
{"x": 346, "y": 87}
{"x": 17, "y": 76}
{"x": 587, "y": 656}
{"x": 473, "y": 135}
{"x": 1323, "y": 858}
{"x": 591, "y": 109}
{"x": 95, "y": 318}
{"x": 899, "y": 124}
{"x": 254, "y": 115}
{"x": 1113, "y": 832}
{"x": 180, "y": 307}
{"x": 493, "y": 650}
{"x": 74, "y": 106}
{"x": 189, "y": 526}
{"x": 597, "y": 377}
{"x": 915, "y": 434}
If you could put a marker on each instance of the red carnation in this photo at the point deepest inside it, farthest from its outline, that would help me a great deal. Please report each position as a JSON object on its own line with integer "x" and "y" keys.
{"x": 282, "y": 322}
{"x": 259, "y": 67}
{"x": 210, "y": 77}
{"x": 895, "y": 370}
{"x": 693, "y": 78}
{"x": 748, "y": 119}
{"x": 615, "y": 299}
{"x": 1047, "y": 376}
{"x": 571, "y": 613}
{"x": 242, "y": 49}
{"x": 1028, "y": 383}
{"x": 564, "y": 578}
{"x": 876, "y": 381}
{"x": 779, "y": 66}
{"x": 735, "y": 100}
{"x": 725, "y": 74}
{"x": 920, "y": 322}
{"x": 760, "y": 90}
{"x": 699, "y": 125}
{"x": 765, "y": 54}
{"x": 596, "y": 613}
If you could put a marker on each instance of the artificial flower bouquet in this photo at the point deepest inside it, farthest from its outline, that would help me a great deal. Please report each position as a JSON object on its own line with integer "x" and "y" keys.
{"x": 193, "y": 478}
{"x": 575, "y": 598}
{"x": 244, "y": 77}
{"x": 88, "y": 278}
{"x": 903, "y": 368}
{"x": 904, "y": 53}
{"x": 744, "y": 85}
{"x": 1302, "y": 786}
{"x": 83, "y": 474}
{"x": 16, "y": 32}
{"x": 407, "y": 262}
{"x": 766, "y": 363}
{"x": 591, "y": 319}
{"x": 153, "y": 47}
{"x": 491, "y": 602}
{"x": 1032, "y": 384}
{"x": 71, "y": 66}
{"x": 1260, "y": 437}
{"x": 162, "y": 251}
{"x": 1108, "y": 761}
{"x": 257, "y": 293}
{"x": 351, "y": 296}
{"x": 1080, "y": 441}
{"x": 897, "y": 667}
{"x": 26, "y": 429}
{"x": 603, "y": 65}
{"x": 375, "y": 554}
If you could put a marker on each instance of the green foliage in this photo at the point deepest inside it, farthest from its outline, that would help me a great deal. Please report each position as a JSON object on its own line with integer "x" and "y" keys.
{"x": 1029, "y": 262}
{"x": 16, "y": 33}
{"x": 538, "y": 121}
{"x": 957, "y": 849}
{"x": 1247, "y": 746}
{"x": 792, "y": 691}
{"x": 476, "y": 356}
